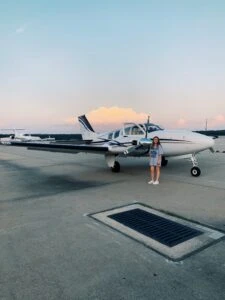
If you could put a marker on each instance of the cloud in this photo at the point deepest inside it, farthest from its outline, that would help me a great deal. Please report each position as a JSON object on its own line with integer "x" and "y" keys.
{"x": 115, "y": 115}
{"x": 21, "y": 29}
{"x": 105, "y": 118}
{"x": 220, "y": 118}
{"x": 109, "y": 118}
{"x": 218, "y": 122}
{"x": 181, "y": 122}
{"x": 70, "y": 121}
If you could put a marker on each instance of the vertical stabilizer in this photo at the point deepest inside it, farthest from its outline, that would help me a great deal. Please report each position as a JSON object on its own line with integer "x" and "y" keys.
{"x": 87, "y": 131}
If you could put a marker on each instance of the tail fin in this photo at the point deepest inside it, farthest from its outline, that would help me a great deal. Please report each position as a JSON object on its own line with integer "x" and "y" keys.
{"x": 87, "y": 131}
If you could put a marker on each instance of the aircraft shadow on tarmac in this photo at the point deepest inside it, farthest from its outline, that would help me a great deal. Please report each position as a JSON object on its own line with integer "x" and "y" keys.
{"x": 29, "y": 183}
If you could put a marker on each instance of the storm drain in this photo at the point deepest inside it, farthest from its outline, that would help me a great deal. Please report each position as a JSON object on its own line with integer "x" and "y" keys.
{"x": 167, "y": 232}
{"x": 171, "y": 236}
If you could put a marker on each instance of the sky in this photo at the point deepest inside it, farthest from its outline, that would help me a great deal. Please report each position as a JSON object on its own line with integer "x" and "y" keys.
{"x": 115, "y": 61}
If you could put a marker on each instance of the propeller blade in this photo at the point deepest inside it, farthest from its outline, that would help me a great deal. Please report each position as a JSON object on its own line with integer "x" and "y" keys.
{"x": 146, "y": 130}
{"x": 144, "y": 143}
{"x": 130, "y": 149}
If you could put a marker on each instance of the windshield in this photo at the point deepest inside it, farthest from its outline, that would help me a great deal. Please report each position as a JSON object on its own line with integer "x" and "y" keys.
{"x": 152, "y": 127}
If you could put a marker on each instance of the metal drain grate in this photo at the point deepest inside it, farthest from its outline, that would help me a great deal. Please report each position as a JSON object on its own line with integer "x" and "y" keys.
{"x": 165, "y": 231}
{"x": 173, "y": 237}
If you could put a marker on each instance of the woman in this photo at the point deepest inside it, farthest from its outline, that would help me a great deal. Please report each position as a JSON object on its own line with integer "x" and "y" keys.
{"x": 155, "y": 154}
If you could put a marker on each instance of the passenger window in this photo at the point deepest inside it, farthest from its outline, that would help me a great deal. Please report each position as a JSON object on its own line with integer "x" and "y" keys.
{"x": 110, "y": 135}
{"x": 127, "y": 130}
{"x": 116, "y": 134}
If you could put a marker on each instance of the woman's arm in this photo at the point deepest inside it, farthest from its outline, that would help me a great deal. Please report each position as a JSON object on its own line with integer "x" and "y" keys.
{"x": 160, "y": 155}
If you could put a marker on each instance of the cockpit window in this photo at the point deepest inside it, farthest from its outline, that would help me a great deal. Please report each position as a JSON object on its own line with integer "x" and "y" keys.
{"x": 139, "y": 129}
{"x": 152, "y": 127}
{"x": 135, "y": 130}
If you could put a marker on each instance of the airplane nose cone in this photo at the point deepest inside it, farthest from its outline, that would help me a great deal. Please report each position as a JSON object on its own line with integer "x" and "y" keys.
{"x": 209, "y": 142}
{"x": 204, "y": 142}
{"x": 212, "y": 142}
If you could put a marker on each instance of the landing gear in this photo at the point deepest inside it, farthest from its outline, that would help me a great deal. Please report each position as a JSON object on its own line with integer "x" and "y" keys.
{"x": 195, "y": 170}
{"x": 112, "y": 163}
{"x": 164, "y": 162}
{"x": 116, "y": 167}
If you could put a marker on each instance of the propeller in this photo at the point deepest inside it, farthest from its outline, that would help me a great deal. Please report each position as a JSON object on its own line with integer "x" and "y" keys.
{"x": 143, "y": 142}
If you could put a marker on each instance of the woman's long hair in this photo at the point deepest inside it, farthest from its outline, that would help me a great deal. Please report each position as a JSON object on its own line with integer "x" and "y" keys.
{"x": 158, "y": 143}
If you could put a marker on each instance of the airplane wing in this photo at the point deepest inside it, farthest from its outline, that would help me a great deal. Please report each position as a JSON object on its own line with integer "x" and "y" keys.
{"x": 72, "y": 148}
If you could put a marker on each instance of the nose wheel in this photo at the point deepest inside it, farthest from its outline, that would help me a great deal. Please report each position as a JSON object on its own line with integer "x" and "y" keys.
{"x": 195, "y": 170}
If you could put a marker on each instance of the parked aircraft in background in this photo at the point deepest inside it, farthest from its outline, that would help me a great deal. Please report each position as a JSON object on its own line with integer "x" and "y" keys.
{"x": 23, "y": 137}
{"x": 132, "y": 140}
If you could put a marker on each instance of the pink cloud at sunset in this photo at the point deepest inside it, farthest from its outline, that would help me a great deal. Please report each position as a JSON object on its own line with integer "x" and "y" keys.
{"x": 217, "y": 122}
{"x": 181, "y": 123}
{"x": 111, "y": 117}
{"x": 107, "y": 118}
{"x": 115, "y": 115}
{"x": 213, "y": 123}
{"x": 220, "y": 119}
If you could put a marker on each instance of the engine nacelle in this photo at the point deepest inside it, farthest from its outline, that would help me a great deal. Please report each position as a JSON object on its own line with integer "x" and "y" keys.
{"x": 145, "y": 142}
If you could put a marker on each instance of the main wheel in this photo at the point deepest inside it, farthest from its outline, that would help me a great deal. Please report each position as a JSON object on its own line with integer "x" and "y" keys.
{"x": 164, "y": 162}
{"x": 195, "y": 171}
{"x": 116, "y": 167}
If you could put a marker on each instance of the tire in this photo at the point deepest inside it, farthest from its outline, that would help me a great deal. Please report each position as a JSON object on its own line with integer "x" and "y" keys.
{"x": 195, "y": 171}
{"x": 116, "y": 167}
{"x": 164, "y": 162}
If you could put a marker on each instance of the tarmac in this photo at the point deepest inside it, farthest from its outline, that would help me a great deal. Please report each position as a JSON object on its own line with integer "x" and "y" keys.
{"x": 50, "y": 248}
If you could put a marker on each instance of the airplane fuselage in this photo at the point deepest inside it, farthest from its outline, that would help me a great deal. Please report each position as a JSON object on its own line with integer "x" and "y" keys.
{"x": 174, "y": 142}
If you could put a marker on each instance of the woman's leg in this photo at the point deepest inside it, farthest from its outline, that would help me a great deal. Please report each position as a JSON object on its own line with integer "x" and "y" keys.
{"x": 157, "y": 173}
{"x": 152, "y": 169}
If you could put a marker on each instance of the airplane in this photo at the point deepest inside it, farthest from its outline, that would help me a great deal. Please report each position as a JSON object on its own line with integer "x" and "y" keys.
{"x": 23, "y": 137}
{"x": 132, "y": 140}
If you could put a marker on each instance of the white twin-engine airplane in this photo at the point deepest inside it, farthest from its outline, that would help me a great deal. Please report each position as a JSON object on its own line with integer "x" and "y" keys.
{"x": 136, "y": 139}
{"x": 133, "y": 140}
